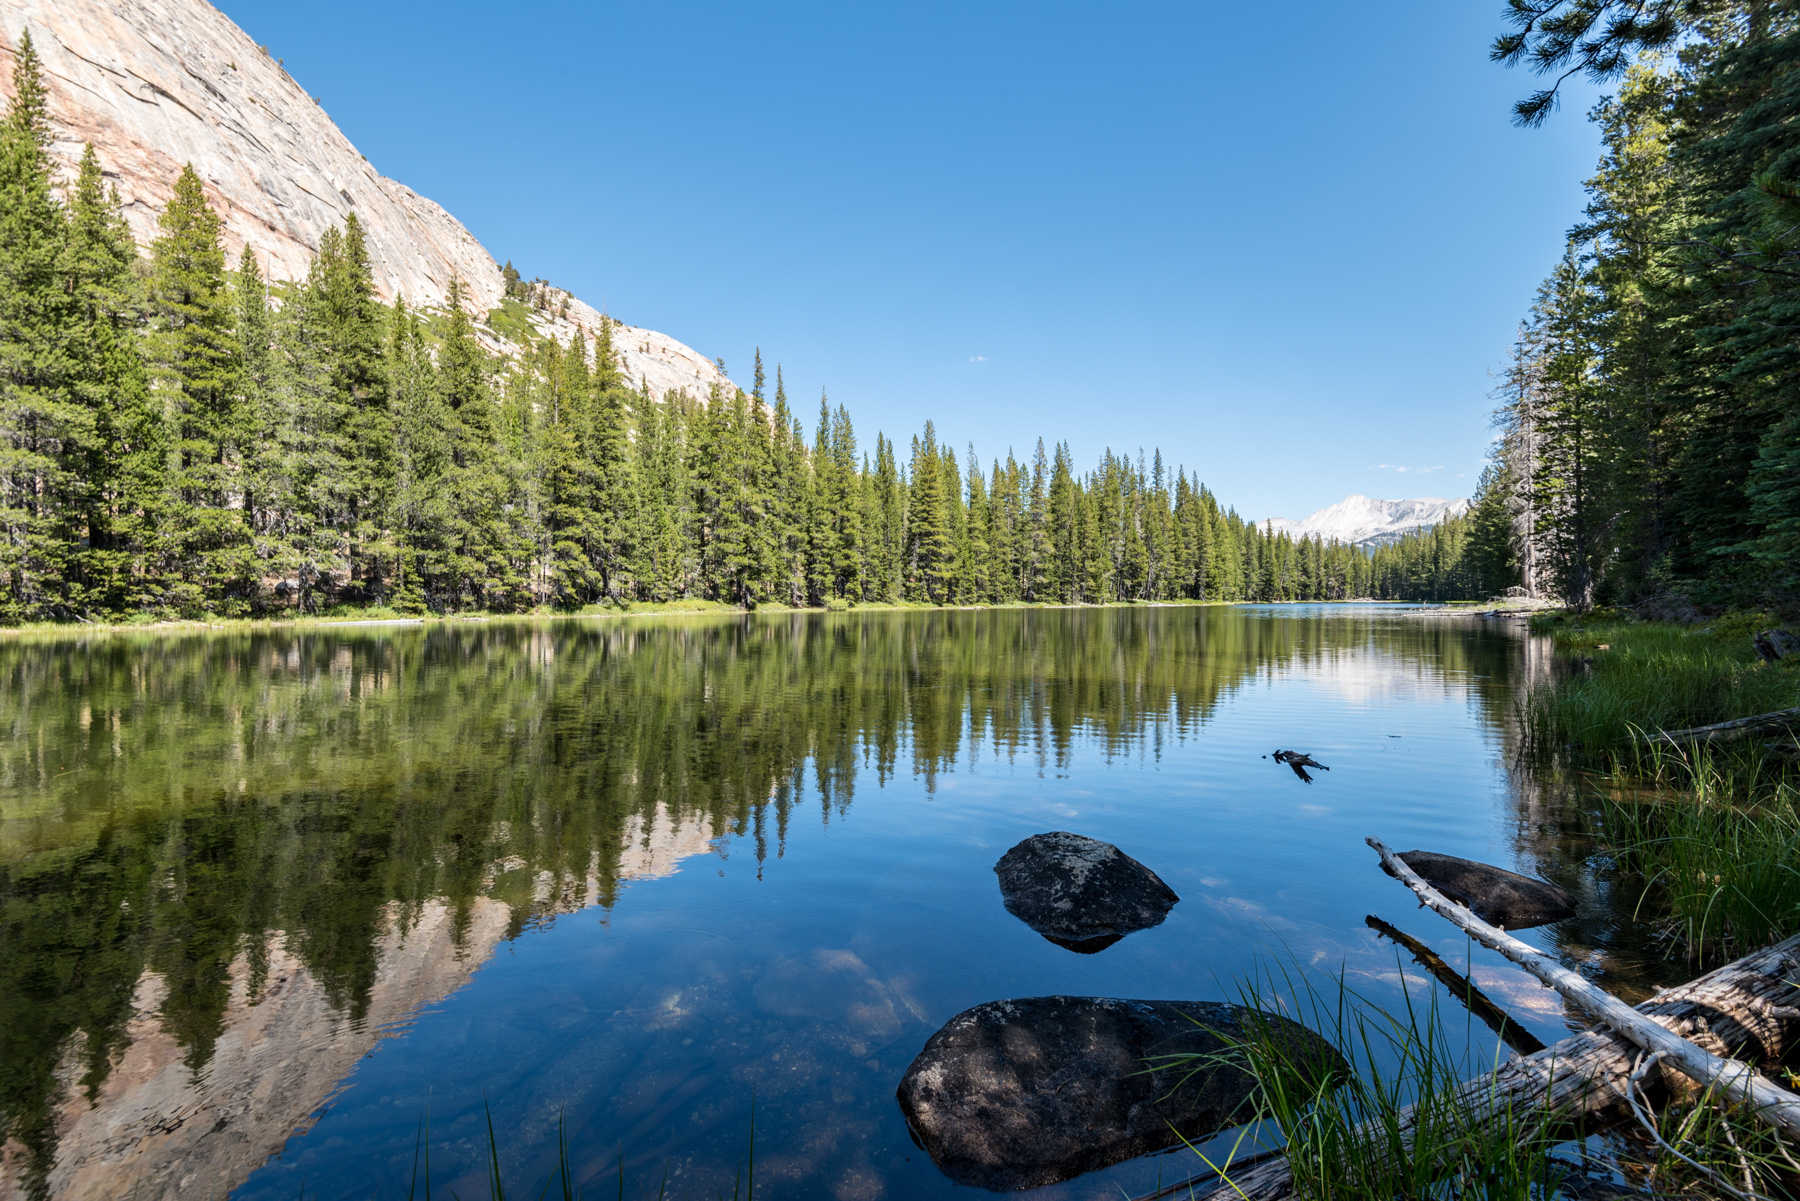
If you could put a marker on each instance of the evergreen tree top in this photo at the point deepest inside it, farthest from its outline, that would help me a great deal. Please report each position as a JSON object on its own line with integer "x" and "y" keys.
{"x": 28, "y": 116}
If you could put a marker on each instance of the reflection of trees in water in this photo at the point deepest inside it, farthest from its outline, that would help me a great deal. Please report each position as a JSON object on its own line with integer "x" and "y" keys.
{"x": 168, "y": 804}
{"x": 1555, "y": 835}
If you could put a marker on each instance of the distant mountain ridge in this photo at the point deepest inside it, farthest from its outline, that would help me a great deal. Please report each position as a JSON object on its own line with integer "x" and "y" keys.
{"x": 1365, "y": 521}
{"x": 154, "y": 84}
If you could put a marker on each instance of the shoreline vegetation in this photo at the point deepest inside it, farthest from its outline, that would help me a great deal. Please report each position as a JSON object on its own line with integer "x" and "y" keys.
{"x": 351, "y": 616}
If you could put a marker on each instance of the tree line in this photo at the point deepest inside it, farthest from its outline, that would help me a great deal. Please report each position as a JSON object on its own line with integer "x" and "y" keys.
{"x": 182, "y": 438}
{"x": 1650, "y": 415}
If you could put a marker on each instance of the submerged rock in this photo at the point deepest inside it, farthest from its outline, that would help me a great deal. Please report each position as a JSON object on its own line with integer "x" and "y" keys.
{"x": 1505, "y": 899}
{"x": 1016, "y": 1094}
{"x": 1079, "y": 892}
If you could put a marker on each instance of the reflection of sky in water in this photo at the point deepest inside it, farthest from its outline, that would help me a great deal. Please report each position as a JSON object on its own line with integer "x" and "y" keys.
{"x": 810, "y": 981}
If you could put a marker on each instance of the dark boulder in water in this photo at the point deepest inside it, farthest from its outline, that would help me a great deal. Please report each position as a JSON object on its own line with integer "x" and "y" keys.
{"x": 1495, "y": 895}
{"x": 1079, "y": 892}
{"x": 1017, "y": 1094}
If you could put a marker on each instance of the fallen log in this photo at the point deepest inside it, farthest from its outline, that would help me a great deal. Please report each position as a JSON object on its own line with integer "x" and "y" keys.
{"x": 1727, "y": 731}
{"x": 1739, "y": 1081}
{"x": 1745, "y": 1007}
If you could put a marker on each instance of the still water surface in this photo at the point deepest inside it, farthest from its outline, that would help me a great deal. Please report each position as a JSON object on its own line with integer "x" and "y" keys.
{"x": 286, "y": 893}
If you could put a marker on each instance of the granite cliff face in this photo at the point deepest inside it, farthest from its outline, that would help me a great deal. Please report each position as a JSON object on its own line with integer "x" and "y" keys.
{"x": 154, "y": 84}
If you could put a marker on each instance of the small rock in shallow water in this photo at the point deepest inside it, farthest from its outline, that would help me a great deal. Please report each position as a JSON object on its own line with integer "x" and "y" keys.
{"x": 1017, "y": 1094}
{"x": 1079, "y": 892}
{"x": 1495, "y": 895}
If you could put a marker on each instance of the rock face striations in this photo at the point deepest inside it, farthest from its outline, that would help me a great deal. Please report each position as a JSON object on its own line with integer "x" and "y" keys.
{"x": 155, "y": 84}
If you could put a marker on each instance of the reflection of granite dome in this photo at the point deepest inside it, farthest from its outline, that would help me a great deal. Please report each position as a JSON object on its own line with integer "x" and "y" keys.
{"x": 157, "y": 1129}
{"x": 154, "y": 84}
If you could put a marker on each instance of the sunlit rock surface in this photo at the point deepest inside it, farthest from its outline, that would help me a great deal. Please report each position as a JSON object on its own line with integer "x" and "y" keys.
{"x": 154, "y": 84}
{"x": 1018, "y": 1094}
{"x": 1079, "y": 892}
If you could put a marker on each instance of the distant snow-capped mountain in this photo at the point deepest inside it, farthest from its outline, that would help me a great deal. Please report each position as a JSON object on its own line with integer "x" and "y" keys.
{"x": 1363, "y": 521}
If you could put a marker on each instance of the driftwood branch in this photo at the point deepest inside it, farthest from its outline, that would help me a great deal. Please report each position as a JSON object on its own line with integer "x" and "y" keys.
{"x": 1582, "y": 1083}
{"x": 1739, "y": 1081}
{"x": 1726, "y": 731}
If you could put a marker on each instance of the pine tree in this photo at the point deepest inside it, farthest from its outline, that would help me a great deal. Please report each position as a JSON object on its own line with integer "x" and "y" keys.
{"x": 46, "y": 432}
{"x": 192, "y": 351}
{"x": 975, "y": 555}
{"x": 477, "y": 555}
{"x": 260, "y": 416}
{"x": 351, "y": 318}
{"x": 886, "y": 507}
{"x": 574, "y": 521}
{"x": 121, "y": 460}
{"x": 821, "y": 576}
{"x": 420, "y": 511}
{"x": 930, "y": 551}
{"x": 1064, "y": 572}
{"x": 608, "y": 451}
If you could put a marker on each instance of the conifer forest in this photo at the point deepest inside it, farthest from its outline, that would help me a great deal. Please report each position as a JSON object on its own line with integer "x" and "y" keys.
{"x": 1650, "y": 416}
{"x": 184, "y": 438}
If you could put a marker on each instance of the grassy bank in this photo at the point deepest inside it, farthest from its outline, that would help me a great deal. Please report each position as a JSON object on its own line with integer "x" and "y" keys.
{"x": 1708, "y": 836}
{"x": 341, "y": 615}
{"x": 1626, "y": 680}
{"x": 1716, "y": 862}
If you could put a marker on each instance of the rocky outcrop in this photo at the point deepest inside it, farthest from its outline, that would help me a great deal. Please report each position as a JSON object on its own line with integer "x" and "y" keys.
{"x": 1017, "y": 1094}
{"x": 154, "y": 84}
{"x": 1495, "y": 895}
{"x": 1080, "y": 893}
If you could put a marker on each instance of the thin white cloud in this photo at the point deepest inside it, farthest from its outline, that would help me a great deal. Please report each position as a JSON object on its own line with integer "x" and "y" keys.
{"x": 977, "y": 358}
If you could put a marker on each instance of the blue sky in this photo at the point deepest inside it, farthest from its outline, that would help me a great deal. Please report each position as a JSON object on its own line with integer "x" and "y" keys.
{"x": 1287, "y": 244}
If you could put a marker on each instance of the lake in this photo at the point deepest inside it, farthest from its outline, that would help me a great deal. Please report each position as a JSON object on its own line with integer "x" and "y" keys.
{"x": 279, "y": 905}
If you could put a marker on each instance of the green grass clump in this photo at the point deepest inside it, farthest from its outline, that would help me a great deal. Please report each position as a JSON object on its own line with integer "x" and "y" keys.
{"x": 1721, "y": 859}
{"x": 1402, "y": 1122}
{"x": 1633, "y": 679}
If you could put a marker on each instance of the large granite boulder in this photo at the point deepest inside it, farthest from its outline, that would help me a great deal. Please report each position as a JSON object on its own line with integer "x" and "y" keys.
{"x": 1079, "y": 892}
{"x": 1495, "y": 895}
{"x": 1016, "y": 1094}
